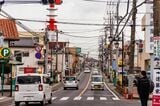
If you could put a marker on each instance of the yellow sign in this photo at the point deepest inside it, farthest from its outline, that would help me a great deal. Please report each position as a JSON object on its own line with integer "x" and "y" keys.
{"x": 120, "y": 62}
{"x": 0, "y": 52}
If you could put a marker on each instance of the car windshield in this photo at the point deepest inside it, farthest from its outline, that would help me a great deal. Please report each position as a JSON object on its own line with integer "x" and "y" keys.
{"x": 96, "y": 79}
{"x": 28, "y": 79}
{"x": 70, "y": 78}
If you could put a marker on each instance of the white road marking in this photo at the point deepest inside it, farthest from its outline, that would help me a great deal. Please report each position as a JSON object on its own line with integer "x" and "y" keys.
{"x": 90, "y": 98}
{"x": 64, "y": 98}
{"x": 2, "y": 98}
{"x": 103, "y": 98}
{"x": 77, "y": 98}
{"x": 53, "y": 98}
{"x": 115, "y": 96}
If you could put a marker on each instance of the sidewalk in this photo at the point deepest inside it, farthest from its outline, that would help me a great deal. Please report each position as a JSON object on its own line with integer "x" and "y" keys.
{"x": 134, "y": 90}
{"x": 5, "y": 97}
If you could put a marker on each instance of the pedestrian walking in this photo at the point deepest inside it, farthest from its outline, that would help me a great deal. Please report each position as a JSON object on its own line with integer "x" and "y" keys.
{"x": 143, "y": 88}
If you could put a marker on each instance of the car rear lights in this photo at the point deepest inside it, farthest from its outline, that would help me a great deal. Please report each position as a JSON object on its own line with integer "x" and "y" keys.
{"x": 40, "y": 87}
{"x": 16, "y": 88}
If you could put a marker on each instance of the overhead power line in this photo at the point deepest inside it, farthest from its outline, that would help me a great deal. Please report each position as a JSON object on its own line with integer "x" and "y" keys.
{"x": 108, "y": 2}
{"x": 79, "y": 36}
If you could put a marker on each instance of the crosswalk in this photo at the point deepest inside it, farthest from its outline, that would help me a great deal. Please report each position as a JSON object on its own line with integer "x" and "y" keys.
{"x": 78, "y": 98}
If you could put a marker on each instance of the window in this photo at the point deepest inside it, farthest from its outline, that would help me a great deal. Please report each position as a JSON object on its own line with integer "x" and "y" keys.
{"x": 97, "y": 79}
{"x": 46, "y": 80}
{"x": 151, "y": 15}
{"x": 151, "y": 23}
{"x": 26, "y": 54}
{"x": 70, "y": 78}
{"x": 28, "y": 79}
{"x": 151, "y": 31}
{"x": 18, "y": 56}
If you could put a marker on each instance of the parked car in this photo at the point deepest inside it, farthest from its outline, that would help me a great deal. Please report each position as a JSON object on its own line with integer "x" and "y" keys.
{"x": 32, "y": 87}
{"x": 97, "y": 82}
{"x": 70, "y": 82}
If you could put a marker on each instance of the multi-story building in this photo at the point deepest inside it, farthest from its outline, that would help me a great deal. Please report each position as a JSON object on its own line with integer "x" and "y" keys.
{"x": 148, "y": 28}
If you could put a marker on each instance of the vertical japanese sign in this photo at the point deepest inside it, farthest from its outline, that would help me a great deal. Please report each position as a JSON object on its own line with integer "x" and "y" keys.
{"x": 156, "y": 73}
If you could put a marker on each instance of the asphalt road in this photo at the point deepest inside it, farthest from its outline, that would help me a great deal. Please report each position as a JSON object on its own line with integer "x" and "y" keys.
{"x": 84, "y": 96}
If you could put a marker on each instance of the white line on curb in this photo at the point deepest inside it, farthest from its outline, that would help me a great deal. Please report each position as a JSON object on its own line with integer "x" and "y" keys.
{"x": 115, "y": 96}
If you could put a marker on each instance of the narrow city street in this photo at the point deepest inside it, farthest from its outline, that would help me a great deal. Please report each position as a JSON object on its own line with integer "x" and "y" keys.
{"x": 84, "y": 96}
{"x": 79, "y": 52}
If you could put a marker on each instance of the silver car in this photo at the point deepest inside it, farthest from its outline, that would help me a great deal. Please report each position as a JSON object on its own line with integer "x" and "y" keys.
{"x": 70, "y": 82}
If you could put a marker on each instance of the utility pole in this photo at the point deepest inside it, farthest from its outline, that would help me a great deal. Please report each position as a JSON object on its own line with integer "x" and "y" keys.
{"x": 57, "y": 47}
{"x": 156, "y": 17}
{"x": 110, "y": 47}
{"x": 156, "y": 33}
{"x": 102, "y": 63}
{"x": 132, "y": 49}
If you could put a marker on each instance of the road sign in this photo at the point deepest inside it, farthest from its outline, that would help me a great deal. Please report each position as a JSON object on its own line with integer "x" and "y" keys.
{"x": 38, "y": 55}
{"x": 38, "y": 48}
{"x": 5, "y": 52}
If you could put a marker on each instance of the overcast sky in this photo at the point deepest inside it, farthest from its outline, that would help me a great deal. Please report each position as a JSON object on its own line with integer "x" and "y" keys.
{"x": 71, "y": 11}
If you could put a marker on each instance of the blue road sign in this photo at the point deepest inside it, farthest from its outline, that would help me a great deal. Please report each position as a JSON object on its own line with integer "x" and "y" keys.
{"x": 38, "y": 55}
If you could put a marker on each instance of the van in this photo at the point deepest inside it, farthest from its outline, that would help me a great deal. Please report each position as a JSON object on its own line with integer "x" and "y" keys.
{"x": 97, "y": 82}
{"x": 32, "y": 87}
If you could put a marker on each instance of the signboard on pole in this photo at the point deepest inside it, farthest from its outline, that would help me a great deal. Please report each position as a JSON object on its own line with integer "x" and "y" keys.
{"x": 156, "y": 73}
{"x": 156, "y": 92}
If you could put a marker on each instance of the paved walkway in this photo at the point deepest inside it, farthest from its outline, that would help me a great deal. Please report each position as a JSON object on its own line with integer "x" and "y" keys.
{"x": 134, "y": 90}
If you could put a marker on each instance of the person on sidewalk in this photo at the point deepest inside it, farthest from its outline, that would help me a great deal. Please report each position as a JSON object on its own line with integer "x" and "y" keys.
{"x": 143, "y": 87}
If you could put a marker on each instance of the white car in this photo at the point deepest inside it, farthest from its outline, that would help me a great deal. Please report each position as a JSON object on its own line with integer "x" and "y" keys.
{"x": 33, "y": 88}
{"x": 87, "y": 70}
{"x": 70, "y": 82}
{"x": 97, "y": 82}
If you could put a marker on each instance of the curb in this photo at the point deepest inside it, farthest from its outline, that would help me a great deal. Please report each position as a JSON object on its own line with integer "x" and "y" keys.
{"x": 5, "y": 98}
{"x": 111, "y": 88}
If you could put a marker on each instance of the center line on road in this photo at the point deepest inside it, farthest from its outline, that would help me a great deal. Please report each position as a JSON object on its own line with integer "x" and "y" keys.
{"x": 90, "y": 98}
{"x": 64, "y": 98}
{"x": 85, "y": 87}
{"x": 103, "y": 98}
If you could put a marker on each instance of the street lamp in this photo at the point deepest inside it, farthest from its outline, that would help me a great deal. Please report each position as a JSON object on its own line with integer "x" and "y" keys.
{"x": 116, "y": 44}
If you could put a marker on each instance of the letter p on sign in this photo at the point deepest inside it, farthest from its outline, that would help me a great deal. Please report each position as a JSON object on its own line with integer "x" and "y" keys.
{"x": 5, "y": 52}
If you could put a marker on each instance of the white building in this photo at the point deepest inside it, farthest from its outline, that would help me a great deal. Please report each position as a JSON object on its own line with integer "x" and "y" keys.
{"x": 147, "y": 21}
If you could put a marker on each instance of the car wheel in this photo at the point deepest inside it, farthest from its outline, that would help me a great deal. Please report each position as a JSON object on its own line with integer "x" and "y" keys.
{"x": 50, "y": 100}
{"x": 77, "y": 88}
{"x": 17, "y": 103}
{"x": 43, "y": 102}
{"x": 26, "y": 103}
